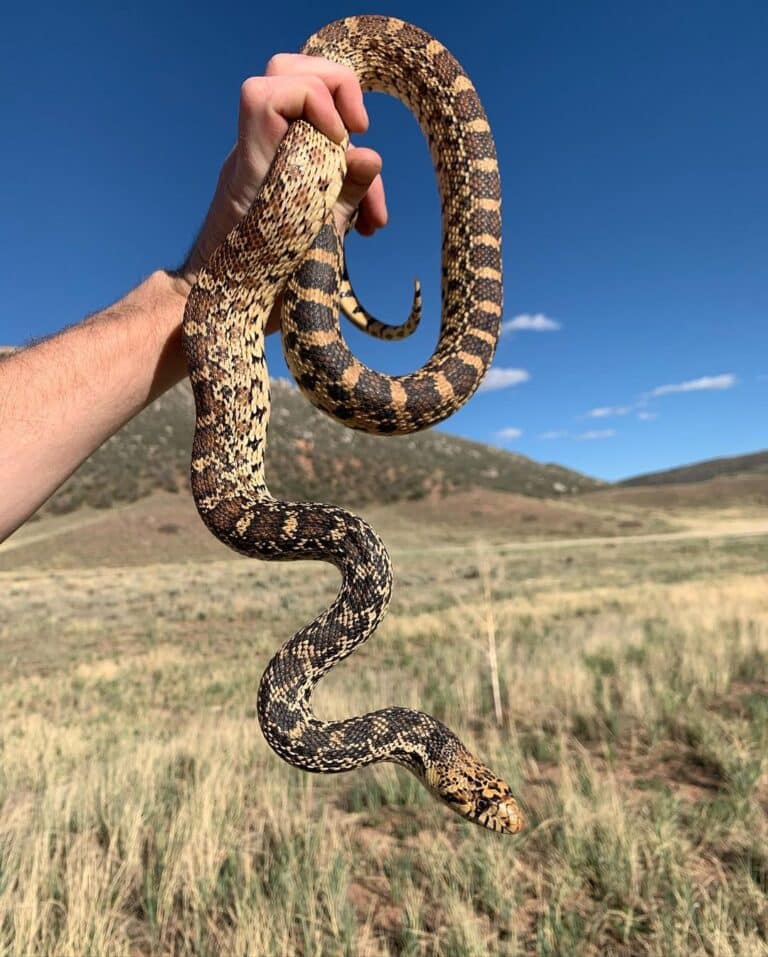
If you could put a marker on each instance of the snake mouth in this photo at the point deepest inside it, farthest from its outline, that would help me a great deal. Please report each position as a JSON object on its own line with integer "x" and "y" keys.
{"x": 503, "y": 816}
{"x": 472, "y": 791}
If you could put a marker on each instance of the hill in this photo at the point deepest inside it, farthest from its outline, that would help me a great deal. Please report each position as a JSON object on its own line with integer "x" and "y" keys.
{"x": 308, "y": 457}
{"x": 755, "y": 462}
{"x": 747, "y": 491}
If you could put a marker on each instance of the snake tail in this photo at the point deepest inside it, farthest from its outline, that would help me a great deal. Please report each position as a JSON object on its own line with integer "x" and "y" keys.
{"x": 394, "y": 57}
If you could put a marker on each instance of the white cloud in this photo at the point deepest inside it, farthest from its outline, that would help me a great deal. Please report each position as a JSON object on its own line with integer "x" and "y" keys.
{"x": 707, "y": 382}
{"x": 647, "y": 416}
{"x": 510, "y": 433}
{"x": 554, "y": 435}
{"x": 608, "y": 410}
{"x": 530, "y": 322}
{"x": 503, "y": 378}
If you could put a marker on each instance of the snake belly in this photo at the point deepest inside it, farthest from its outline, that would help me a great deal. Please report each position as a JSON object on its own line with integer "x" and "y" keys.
{"x": 287, "y": 242}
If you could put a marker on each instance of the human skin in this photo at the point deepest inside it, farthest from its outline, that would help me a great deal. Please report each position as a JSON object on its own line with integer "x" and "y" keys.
{"x": 61, "y": 398}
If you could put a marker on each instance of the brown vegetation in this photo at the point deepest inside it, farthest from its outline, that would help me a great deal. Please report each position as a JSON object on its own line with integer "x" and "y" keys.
{"x": 142, "y": 813}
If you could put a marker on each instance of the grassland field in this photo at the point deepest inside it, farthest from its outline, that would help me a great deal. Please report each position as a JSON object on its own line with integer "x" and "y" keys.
{"x": 141, "y": 812}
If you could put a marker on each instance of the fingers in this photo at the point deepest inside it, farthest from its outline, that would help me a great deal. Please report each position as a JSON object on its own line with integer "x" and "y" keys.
{"x": 268, "y": 104}
{"x": 341, "y": 82}
{"x": 325, "y": 94}
{"x": 373, "y": 209}
{"x": 295, "y": 86}
{"x": 363, "y": 188}
{"x": 332, "y": 100}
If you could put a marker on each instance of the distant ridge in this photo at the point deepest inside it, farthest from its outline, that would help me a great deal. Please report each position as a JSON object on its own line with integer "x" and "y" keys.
{"x": 753, "y": 462}
{"x": 309, "y": 457}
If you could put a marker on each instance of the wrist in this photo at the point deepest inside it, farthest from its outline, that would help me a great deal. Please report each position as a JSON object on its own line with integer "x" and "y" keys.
{"x": 174, "y": 283}
{"x": 162, "y": 298}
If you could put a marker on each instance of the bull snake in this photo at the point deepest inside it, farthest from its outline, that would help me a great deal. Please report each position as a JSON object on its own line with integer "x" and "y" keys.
{"x": 288, "y": 242}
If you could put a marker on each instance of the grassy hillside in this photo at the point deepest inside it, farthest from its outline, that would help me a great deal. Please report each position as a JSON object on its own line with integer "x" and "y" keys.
{"x": 164, "y": 528}
{"x": 755, "y": 462}
{"x": 309, "y": 457}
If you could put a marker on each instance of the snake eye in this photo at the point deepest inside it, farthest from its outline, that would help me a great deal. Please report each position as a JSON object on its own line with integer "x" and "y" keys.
{"x": 482, "y": 804}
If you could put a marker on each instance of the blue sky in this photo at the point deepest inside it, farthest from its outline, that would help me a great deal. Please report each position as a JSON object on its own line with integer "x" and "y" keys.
{"x": 634, "y": 155}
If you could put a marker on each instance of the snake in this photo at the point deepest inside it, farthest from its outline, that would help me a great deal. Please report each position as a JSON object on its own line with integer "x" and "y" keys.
{"x": 287, "y": 244}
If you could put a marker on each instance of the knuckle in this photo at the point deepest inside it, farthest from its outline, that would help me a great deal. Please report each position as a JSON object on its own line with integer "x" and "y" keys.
{"x": 315, "y": 83}
{"x": 349, "y": 77}
{"x": 278, "y": 62}
{"x": 317, "y": 93}
{"x": 253, "y": 91}
{"x": 340, "y": 69}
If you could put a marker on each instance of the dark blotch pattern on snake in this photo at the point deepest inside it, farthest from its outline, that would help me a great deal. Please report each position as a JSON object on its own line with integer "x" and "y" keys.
{"x": 288, "y": 242}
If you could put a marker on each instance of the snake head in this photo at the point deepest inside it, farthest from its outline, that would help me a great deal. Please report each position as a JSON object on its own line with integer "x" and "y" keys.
{"x": 472, "y": 790}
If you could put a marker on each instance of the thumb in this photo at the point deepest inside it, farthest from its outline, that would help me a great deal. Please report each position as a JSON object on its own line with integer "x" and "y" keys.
{"x": 363, "y": 168}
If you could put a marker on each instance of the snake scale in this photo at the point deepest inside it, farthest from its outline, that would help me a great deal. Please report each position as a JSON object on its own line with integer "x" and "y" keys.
{"x": 287, "y": 242}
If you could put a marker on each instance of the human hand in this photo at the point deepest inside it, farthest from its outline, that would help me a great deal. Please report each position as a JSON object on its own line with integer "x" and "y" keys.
{"x": 294, "y": 86}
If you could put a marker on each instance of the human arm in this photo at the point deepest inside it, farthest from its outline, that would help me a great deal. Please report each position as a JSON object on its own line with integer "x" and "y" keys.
{"x": 60, "y": 399}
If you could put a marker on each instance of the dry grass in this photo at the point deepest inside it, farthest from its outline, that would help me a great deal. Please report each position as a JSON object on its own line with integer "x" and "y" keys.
{"x": 142, "y": 812}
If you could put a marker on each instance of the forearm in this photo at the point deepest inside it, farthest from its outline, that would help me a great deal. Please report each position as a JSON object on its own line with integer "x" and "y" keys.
{"x": 60, "y": 399}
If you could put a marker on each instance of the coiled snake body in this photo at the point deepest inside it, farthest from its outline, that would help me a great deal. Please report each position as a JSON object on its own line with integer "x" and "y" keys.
{"x": 288, "y": 242}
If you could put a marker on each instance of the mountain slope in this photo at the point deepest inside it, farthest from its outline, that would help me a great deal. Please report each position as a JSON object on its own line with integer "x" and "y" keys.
{"x": 309, "y": 457}
{"x": 755, "y": 462}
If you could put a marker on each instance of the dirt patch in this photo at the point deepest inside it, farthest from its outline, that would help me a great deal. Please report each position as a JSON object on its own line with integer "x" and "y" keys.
{"x": 372, "y": 900}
